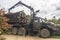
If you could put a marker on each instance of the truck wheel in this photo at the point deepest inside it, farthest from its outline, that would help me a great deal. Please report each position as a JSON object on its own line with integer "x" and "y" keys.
{"x": 22, "y": 32}
{"x": 45, "y": 33}
{"x": 14, "y": 30}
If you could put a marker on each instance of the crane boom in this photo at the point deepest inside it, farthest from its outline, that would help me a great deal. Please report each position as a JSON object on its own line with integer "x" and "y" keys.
{"x": 20, "y": 3}
{"x": 29, "y": 7}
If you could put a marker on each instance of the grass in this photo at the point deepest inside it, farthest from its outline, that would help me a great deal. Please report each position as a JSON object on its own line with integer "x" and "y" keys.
{"x": 57, "y": 37}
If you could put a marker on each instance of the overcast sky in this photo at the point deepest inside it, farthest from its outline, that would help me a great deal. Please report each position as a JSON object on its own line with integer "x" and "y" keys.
{"x": 47, "y": 7}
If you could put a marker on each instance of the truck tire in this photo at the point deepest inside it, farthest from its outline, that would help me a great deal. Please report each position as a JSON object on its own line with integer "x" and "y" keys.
{"x": 14, "y": 30}
{"x": 22, "y": 32}
{"x": 45, "y": 33}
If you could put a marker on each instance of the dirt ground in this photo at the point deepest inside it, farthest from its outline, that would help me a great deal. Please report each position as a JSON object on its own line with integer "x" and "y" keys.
{"x": 15, "y": 37}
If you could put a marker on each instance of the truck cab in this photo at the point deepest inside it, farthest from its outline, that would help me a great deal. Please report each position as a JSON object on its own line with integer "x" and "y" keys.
{"x": 43, "y": 29}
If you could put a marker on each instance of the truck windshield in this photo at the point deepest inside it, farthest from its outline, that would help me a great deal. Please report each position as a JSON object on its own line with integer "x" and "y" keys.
{"x": 42, "y": 20}
{"x": 51, "y": 23}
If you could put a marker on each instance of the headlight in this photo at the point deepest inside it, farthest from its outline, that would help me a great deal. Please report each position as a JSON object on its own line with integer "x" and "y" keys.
{"x": 54, "y": 28}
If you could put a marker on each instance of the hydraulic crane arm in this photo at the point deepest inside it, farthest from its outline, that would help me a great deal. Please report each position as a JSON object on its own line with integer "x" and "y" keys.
{"x": 29, "y": 7}
{"x": 20, "y": 3}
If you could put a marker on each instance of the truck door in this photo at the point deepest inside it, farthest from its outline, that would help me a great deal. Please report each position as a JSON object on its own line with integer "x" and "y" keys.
{"x": 36, "y": 24}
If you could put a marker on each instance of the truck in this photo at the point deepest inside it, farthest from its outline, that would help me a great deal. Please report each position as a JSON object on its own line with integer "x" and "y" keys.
{"x": 36, "y": 24}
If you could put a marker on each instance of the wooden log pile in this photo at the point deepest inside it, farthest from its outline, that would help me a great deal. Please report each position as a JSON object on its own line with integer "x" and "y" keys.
{"x": 18, "y": 17}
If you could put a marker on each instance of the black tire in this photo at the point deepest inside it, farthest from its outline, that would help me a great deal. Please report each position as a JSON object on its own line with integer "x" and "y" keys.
{"x": 45, "y": 33}
{"x": 14, "y": 30}
{"x": 22, "y": 32}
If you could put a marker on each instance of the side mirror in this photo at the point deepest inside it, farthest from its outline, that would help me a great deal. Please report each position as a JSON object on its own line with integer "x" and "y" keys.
{"x": 37, "y": 11}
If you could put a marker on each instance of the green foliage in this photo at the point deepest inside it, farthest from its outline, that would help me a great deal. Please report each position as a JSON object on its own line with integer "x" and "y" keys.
{"x": 57, "y": 37}
{"x": 58, "y": 21}
{"x": 54, "y": 20}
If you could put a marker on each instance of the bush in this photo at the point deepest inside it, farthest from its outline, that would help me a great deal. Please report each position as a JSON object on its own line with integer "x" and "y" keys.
{"x": 3, "y": 24}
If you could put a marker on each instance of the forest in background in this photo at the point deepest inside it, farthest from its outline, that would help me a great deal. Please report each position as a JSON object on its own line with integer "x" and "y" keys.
{"x": 54, "y": 20}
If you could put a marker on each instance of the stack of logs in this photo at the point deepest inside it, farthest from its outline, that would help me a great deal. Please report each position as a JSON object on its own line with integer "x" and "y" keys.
{"x": 18, "y": 17}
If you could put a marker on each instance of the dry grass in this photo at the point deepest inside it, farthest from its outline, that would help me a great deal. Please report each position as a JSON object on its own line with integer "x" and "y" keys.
{"x": 15, "y": 37}
{"x": 2, "y": 38}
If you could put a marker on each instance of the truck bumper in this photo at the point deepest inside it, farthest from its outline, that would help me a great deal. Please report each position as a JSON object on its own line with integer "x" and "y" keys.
{"x": 55, "y": 31}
